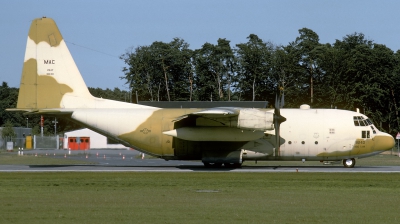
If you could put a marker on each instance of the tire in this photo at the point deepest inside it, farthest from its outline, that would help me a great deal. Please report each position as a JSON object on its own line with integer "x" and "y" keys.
{"x": 349, "y": 163}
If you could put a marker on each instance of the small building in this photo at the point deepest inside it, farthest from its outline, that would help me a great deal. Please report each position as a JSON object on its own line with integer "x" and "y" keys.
{"x": 84, "y": 139}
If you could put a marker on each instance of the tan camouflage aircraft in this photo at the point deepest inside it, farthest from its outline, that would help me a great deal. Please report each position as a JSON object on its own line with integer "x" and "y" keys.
{"x": 51, "y": 84}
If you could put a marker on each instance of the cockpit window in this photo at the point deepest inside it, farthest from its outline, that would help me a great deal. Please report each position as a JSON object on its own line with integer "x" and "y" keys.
{"x": 360, "y": 121}
{"x": 373, "y": 129}
{"x": 356, "y": 123}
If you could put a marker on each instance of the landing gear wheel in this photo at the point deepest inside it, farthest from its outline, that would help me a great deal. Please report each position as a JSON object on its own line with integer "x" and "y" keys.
{"x": 349, "y": 163}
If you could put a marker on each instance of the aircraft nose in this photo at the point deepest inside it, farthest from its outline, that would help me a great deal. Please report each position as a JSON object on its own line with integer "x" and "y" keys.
{"x": 383, "y": 142}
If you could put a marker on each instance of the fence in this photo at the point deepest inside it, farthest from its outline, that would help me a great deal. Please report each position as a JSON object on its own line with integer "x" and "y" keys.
{"x": 17, "y": 142}
{"x": 46, "y": 142}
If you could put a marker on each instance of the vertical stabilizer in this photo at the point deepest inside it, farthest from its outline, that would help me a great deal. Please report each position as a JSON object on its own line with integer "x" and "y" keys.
{"x": 50, "y": 77}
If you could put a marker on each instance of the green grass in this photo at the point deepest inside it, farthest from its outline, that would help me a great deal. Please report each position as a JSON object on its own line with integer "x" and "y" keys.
{"x": 7, "y": 158}
{"x": 136, "y": 197}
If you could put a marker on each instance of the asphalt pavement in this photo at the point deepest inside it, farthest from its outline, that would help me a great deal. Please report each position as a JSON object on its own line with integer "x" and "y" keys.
{"x": 117, "y": 160}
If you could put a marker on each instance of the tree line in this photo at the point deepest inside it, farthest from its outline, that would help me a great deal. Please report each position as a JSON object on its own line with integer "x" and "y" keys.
{"x": 350, "y": 73}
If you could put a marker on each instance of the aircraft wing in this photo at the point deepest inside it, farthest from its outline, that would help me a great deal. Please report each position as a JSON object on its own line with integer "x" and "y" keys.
{"x": 223, "y": 124}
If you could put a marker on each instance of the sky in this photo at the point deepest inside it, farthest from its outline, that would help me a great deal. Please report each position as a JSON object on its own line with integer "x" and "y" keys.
{"x": 98, "y": 32}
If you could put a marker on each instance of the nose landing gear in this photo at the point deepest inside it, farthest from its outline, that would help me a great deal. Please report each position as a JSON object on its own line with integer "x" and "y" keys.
{"x": 349, "y": 163}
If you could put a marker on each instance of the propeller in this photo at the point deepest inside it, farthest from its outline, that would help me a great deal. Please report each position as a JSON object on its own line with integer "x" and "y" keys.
{"x": 278, "y": 119}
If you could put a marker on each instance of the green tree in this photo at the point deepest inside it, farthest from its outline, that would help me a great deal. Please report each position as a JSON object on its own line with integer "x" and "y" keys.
{"x": 307, "y": 47}
{"x": 254, "y": 68}
{"x": 7, "y": 132}
{"x": 161, "y": 71}
{"x": 358, "y": 73}
{"x": 394, "y": 85}
{"x": 215, "y": 71}
{"x": 286, "y": 73}
{"x": 141, "y": 73}
{"x": 8, "y": 99}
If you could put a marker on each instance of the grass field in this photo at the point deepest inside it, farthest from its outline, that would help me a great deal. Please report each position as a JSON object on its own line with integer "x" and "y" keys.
{"x": 199, "y": 198}
{"x": 7, "y": 158}
{"x": 134, "y": 197}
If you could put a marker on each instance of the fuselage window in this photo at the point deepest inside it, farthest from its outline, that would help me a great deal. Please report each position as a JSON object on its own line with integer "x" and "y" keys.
{"x": 290, "y": 142}
{"x": 331, "y": 131}
{"x": 302, "y": 142}
{"x": 316, "y": 142}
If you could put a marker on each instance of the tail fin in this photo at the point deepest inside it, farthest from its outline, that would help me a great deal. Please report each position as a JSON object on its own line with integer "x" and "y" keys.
{"x": 50, "y": 77}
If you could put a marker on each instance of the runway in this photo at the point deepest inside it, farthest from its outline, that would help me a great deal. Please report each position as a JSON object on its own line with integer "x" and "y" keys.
{"x": 131, "y": 161}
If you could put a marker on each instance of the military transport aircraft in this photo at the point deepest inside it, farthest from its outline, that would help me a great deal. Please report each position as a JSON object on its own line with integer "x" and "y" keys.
{"x": 52, "y": 84}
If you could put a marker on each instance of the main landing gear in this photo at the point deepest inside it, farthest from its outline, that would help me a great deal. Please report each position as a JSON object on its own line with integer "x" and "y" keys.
{"x": 349, "y": 163}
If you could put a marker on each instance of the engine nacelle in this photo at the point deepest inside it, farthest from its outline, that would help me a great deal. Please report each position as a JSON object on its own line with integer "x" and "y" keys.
{"x": 253, "y": 119}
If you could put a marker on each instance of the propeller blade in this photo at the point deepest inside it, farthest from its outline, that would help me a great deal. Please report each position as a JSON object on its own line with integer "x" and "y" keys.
{"x": 277, "y": 138}
{"x": 278, "y": 119}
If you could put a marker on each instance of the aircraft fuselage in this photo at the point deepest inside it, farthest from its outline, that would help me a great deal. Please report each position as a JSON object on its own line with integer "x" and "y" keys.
{"x": 309, "y": 134}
